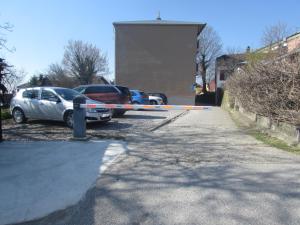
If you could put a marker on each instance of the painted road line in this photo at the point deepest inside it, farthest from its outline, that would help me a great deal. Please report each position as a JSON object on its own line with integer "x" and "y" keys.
{"x": 135, "y": 106}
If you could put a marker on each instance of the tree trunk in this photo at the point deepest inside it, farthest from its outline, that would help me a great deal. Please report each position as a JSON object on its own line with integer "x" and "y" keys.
{"x": 204, "y": 80}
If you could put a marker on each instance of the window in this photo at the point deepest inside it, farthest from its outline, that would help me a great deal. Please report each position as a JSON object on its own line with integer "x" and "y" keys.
{"x": 133, "y": 93}
{"x": 197, "y": 44}
{"x": 33, "y": 94}
{"x": 79, "y": 89}
{"x": 100, "y": 89}
{"x": 197, "y": 67}
{"x": 46, "y": 95}
{"x": 222, "y": 75}
{"x": 67, "y": 94}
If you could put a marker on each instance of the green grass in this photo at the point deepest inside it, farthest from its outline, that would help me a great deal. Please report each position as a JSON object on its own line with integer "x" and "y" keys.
{"x": 5, "y": 114}
{"x": 274, "y": 142}
{"x": 263, "y": 137}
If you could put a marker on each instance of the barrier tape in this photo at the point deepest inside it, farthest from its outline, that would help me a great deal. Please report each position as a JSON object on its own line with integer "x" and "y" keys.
{"x": 135, "y": 107}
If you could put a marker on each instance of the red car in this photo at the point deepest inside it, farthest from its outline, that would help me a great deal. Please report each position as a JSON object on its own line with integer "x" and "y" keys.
{"x": 109, "y": 94}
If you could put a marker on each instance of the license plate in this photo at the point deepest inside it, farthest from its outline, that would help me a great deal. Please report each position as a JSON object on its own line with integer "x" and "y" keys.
{"x": 105, "y": 115}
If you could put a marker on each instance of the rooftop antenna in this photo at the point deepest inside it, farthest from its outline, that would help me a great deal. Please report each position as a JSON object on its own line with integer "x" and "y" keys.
{"x": 158, "y": 16}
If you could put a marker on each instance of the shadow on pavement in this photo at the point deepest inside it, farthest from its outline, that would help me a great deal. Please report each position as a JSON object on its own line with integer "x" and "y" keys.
{"x": 164, "y": 180}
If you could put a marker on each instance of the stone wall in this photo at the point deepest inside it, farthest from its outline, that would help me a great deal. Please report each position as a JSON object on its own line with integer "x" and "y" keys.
{"x": 283, "y": 131}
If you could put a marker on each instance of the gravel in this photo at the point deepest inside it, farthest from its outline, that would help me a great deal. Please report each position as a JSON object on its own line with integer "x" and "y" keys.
{"x": 118, "y": 128}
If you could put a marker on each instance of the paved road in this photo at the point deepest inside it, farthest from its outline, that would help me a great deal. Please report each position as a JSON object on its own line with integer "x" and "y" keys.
{"x": 199, "y": 169}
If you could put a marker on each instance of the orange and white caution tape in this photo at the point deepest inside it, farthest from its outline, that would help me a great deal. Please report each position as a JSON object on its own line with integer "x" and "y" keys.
{"x": 135, "y": 107}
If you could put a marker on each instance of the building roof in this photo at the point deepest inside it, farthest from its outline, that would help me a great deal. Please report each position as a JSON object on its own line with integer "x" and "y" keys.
{"x": 238, "y": 56}
{"x": 287, "y": 39}
{"x": 157, "y": 22}
{"x": 231, "y": 60}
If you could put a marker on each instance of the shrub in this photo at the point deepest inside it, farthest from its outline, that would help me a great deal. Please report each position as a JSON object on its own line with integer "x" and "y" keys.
{"x": 268, "y": 87}
{"x": 5, "y": 114}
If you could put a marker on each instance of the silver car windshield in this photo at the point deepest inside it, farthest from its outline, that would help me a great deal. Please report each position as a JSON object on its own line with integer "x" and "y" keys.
{"x": 67, "y": 94}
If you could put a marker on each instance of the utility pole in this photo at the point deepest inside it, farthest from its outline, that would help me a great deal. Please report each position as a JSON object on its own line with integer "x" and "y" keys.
{"x": 3, "y": 65}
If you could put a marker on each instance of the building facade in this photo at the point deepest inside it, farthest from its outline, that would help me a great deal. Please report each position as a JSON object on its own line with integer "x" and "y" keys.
{"x": 157, "y": 56}
{"x": 226, "y": 64}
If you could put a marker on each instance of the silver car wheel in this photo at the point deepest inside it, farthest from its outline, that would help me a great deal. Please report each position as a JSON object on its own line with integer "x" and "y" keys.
{"x": 69, "y": 120}
{"x": 153, "y": 102}
{"x": 18, "y": 116}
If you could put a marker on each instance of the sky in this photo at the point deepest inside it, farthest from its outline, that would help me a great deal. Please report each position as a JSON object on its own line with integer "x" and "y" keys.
{"x": 42, "y": 28}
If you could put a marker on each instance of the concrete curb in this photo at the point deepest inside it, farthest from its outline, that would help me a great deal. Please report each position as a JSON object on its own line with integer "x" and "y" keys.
{"x": 167, "y": 121}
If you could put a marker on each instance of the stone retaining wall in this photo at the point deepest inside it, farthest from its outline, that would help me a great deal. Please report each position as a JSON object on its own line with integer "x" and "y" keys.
{"x": 284, "y": 131}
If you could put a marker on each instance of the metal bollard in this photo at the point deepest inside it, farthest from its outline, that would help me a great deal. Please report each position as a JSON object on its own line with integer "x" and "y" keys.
{"x": 79, "y": 123}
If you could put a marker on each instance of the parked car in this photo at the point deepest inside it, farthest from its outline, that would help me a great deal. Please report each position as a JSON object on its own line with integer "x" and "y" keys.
{"x": 126, "y": 92}
{"x": 154, "y": 100}
{"x": 109, "y": 94}
{"x": 163, "y": 96}
{"x": 139, "y": 97}
{"x": 52, "y": 103}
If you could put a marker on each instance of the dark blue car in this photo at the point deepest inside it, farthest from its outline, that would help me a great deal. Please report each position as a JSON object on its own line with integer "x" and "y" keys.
{"x": 139, "y": 97}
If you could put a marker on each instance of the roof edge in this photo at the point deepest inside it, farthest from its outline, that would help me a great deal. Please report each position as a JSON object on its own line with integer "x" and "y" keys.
{"x": 158, "y": 22}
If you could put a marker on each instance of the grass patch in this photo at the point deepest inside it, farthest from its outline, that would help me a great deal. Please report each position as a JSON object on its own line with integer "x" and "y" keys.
{"x": 274, "y": 142}
{"x": 250, "y": 129}
{"x": 5, "y": 114}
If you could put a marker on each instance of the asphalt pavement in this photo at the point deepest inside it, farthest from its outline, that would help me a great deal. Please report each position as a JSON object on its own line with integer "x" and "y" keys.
{"x": 199, "y": 169}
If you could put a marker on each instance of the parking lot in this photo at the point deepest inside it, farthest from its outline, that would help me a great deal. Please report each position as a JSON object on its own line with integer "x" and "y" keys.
{"x": 117, "y": 128}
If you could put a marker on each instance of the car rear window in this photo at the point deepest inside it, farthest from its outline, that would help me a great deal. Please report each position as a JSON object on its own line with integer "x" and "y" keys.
{"x": 67, "y": 94}
{"x": 31, "y": 94}
{"x": 79, "y": 89}
{"x": 100, "y": 89}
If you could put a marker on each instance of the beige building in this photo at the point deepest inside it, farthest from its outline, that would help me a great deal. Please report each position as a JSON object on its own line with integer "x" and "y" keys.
{"x": 157, "y": 56}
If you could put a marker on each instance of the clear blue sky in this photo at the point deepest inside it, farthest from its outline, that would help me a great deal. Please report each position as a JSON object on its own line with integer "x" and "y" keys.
{"x": 42, "y": 28}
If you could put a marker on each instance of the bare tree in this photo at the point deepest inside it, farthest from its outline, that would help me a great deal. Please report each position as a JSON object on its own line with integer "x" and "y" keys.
{"x": 4, "y": 28}
{"x": 13, "y": 78}
{"x": 84, "y": 61}
{"x": 40, "y": 80}
{"x": 58, "y": 76}
{"x": 209, "y": 49}
{"x": 274, "y": 34}
{"x": 210, "y": 73}
{"x": 34, "y": 81}
{"x": 10, "y": 77}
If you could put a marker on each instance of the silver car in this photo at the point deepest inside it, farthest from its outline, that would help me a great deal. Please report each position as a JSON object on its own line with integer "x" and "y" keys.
{"x": 52, "y": 103}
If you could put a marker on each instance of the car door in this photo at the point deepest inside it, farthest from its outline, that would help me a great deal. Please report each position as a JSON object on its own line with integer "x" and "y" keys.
{"x": 50, "y": 106}
{"x": 29, "y": 103}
